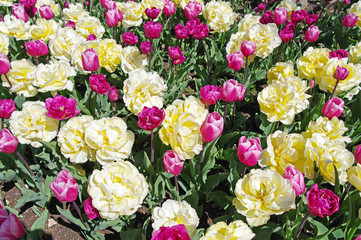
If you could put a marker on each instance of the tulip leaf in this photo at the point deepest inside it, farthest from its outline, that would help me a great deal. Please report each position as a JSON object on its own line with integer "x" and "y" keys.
{"x": 134, "y": 234}
{"x": 68, "y": 215}
{"x": 36, "y": 230}
{"x": 28, "y": 196}
{"x": 321, "y": 230}
{"x": 7, "y": 175}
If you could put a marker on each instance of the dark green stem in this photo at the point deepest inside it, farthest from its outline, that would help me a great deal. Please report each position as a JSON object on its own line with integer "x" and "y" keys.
{"x": 301, "y": 225}
{"x": 25, "y": 163}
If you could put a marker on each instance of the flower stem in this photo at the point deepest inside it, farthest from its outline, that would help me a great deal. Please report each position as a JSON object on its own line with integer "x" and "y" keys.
{"x": 345, "y": 192}
{"x": 91, "y": 7}
{"x": 89, "y": 100}
{"x": 201, "y": 157}
{"x": 115, "y": 107}
{"x": 280, "y": 57}
{"x": 59, "y": 127}
{"x": 115, "y": 34}
{"x": 176, "y": 185}
{"x": 245, "y": 72}
{"x": 205, "y": 49}
{"x": 301, "y": 225}
{"x": 344, "y": 35}
{"x": 2, "y": 123}
{"x": 79, "y": 213}
{"x": 25, "y": 163}
{"x": 244, "y": 172}
{"x": 150, "y": 55}
{"x": 37, "y": 60}
{"x": 225, "y": 113}
{"x": 8, "y": 81}
{"x": 334, "y": 89}
{"x": 152, "y": 146}
{"x": 234, "y": 112}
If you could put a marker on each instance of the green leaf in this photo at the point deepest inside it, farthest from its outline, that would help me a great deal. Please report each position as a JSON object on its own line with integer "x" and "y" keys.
{"x": 134, "y": 234}
{"x": 68, "y": 215}
{"x": 36, "y": 230}
{"x": 219, "y": 197}
{"x": 320, "y": 228}
{"x": 7, "y": 175}
{"x": 28, "y": 196}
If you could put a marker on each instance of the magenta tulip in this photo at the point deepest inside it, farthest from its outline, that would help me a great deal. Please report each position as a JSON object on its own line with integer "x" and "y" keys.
{"x": 235, "y": 60}
{"x": 232, "y": 91}
{"x": 192, "y": 9}
{"x": 65, "y": 186}
{"x": 176, "y": 232}
{"x": 248, "y": 151}
{"x": 311, "y": 19}
{"x": 152, "y": 30}
{"x": 280, "y": 16}
{"x": 322, "y": 202}
{"x": 153, "y": 12}
{"x": 350, "y": 20}
{"x": 296, "y": 178}
{"x": 145, "y": 47}
{"x": 333, "y": 108}
{"x": 267, "y": 17}
{"x": 99, "y": 84}
{"x": 10, "y": 226}
{"x": 312, "y": 33}
{"x": 248, "y": 48}
{"x": 357, "y": 154}
{"x": 61, "y": 107}
{"x": 4, "y": 64}
{"x": 19, "y": 12}
{"x": 28, "y": 3}
{"x": 8, "y": 142}
{"x": 129, "y": 38}
{"x": 70, "y": 24}
{"x": 260, "y": 7}
{"x": 298, "y": 16}
{"x": 113, "y": 94}
{"x": 46, "y": 12}
{"x": 182, "y": 32}
{"x": 113, "y": 17}
{"x": 172, "y": 163}
{"x": 339, "y": 54}
{"x": 91, "y": 37}
{"x": 212, "y": 127}
{"x": 176, "y": 54}
{"x": 150, "y": 118}
{"x": 90, "y": 210}
{"x": 286, "y": 35}
{"x": 90, "y": 60}
{"x": 7, "y": 107}
{"x": 200, "y": 31}
{"x": 341, "y": 73}
{"x": 169, "y": 8}
{"x": 210, "y": 94}
{"x": 36, "y": 48}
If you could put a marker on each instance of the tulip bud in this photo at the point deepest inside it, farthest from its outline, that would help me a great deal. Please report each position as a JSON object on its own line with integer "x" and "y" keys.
{"x": 296, "y": 178}
{"x": 311, "y": 19}
{"x": 90, "y": 60}
{"x": 90, "y": 210}
{"x": 169, "y": 8}
{"x": 312, "y": 84}
{"x": 357, "y": 154}
{"x": 99, "y": 84}
{"x": 66, "y": 4}
{"x": 212, "y": 127}
{"x": 182, "y": 32}
{"x": 235, "y": 61}
{"x": 153, "y": 12}
{"x": 70, "y": 24}
{"x": 91, "y": 37}
{"x": 350, "y": 20}
{"x": 8, "y": 142}
{"x": 172, "y": 163}
{"x": 333, "y": 108}
{"x": 36, "y": 48}
{"x": 200, "y": 31}
{"x": 65, "y": 187}
{"x": 312, "y": 33}
{"x": 46, "y": 12}
{"x": 11, "y": 227}
{"x": 210, "y": 94}
{"x": 248, "y": 48}
{"x": 248, "y": 151}
{"x": 280, "y": 16}
{"x": 129, "y": 38}
{"x": 4, "y": 64}
{"x": 19, "y": 12}
{"x": 113, "y": 94}
{"x": 341, "y": 73}
{"x": 152, "y": 30}
{"x": 150, "y": 118}
{"x": 359, "y": 236}
{"x": 260, "y": 7}
{"x": 192, "y": 9}
{"x": 346, "y": 2}
{"x": 232, "y": 91}
{"x": 7, "y": 107}
{"x": 113, "y": 17}
{"x": 145, "y": 47}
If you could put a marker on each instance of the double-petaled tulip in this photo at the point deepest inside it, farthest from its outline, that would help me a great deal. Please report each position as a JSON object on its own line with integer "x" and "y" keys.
{"x": 65, "y": 186}
{"x": 90, "y": 60}
{"x": 296, "y": 178}
{"x": 232, "y": 91}
{"x": 176, "y": 54}
{"x": 4, "y": 64}
{"x": 286, "y": 35}
{"x": 312, "y": 33}
{"x": 28, "y": 3}
{"x": 235, "y": 60}
{"x": 36, "y": 48}
{"x": 90, "y": 210}
{"x": 70, "y": 24}
{"x": 200, "y": 31}
{"x": 280, "y": 16}
{"x": 152, "y": 30}
{"x": 212, "y": 127}
{"x": 341, "y": 53}
{"x": 153, "y": 12}
{"x": 129, "y": 38}
{"x": 260, "y": 7}
{"x": 172, "y": 163}
{"x": 46, "y": 12}
{"x": 176, "y": 232}
{"x": 108, "y": 4}
{"x": 113, "y": 94}
{"x": 210, "y": 94}
{"x": 267, "y": 17}
{"x": 113, "y": 17}
{"x": 248, "y": 48}
{"x": 322, "y": 202}
{"x": 8, "y": 142}
{"x": 341, "y": 73}
{"x": 91, "y": 37}
{"x": 248, "y": 151}
{"x": 311, "y": 19}
{"x": 357, "y": 154}
{"x": 19, "y": 12}
{"x": 99, "y": 84}
{"x": 150, "y": 118}
{"x": 192, "y": 23}
{"x": 7, "y": 107}
{"x": 182, "y": 32}
{"x": 298, "y": 16}
{"x": 169, "y": 8}
{"x": 333, "y": 108}
{"x": 145, "y": 47}
{"x": 61, "y": 107}
{"x": 192, "y": 9}
{"x": 349, "y": 20}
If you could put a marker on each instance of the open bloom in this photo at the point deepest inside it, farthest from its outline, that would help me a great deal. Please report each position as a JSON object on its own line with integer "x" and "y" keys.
{"x": 153, "y": 12}
{"x": 210, "y": 94}
{"x": 176, "y": 232}
{"x": 236, "y": 230}
{"x": 150, "y": 118}
{"x": 99, "y": 84}
{"x": 358, "y": 154}
{"x": 129, "y": 38}
{"x": 65, "y": 186}
{"x": 322, "y": 202}
{"x": 61, "y": 107}
{"x": 152, "y": 30}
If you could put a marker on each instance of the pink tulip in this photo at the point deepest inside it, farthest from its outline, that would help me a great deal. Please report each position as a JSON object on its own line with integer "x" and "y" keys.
{"x": 311, "y": 19}
{"x": 210, "y": 94}
{"x": 19, "y": 12}
{"x": 350, "y": 20}
{"x": 150, "y": 118}
{"x": 358, "y": 237}
{"x": 99, "y": 84}
{"x": 152, "y": 30}
{"x": 129, "y": 38}
{"x": 113, "y": 17}
{"x": 172, "y": 163}
{"x": 37, "y": 48}
{"x": 182, "y": 32}
{"x": 296, "y": 178}
{"x": 346, "y": 2}
{"x": 46, "y": 12}
{"x": 200, "y": 31}
{"x": 280, "y": 16}
{"x": 176, "y": 54}
{"x": 91, "y": 37}
{"x": 232, "y": 91}
{"x": 260, "y": 7}
{"x": 248, "y": 48}
{"x": 169, "y": 8}
{"x": 212, "y": 127}
{"x": 357, "y": 154}
{"x": 192, "y": 23}
{"x": 113, "y": 94}
{"x": 145, "y": 47}
{"x": 267, "y": 17}
{"x": 322, "y": 202}
{"x": 28, "y": 3}
{"x": 339, "y": 54}
{"x": 8, "y": 142}
{"x": 65, "y": 186}
{"x": 153, "y": 12}
{"x": 312, "y": 33}
{"x": 108, "y": 4}
{"x": 286, "y": 35}
{"x": 31, "y": 11}
{"x": 7, "y": 107}
{"x": 176, "y": 232}
{"x": 90, "y": 210}
{"x": 70, "y": 24}
{"x": 192, "y": 9}
{"x": 235, "y": 60}
{"x": 312, "y": 84}
{"x": 298, "y": 16}
{"x": 341, "y": 73}
{"x": 4, "y": 64}
{"x": 333, "y": 108}
{"x": 61, "y": 107}
{"x": 66, "y": 4}
{"x": 90, "y": 60}
{"x": 249, "y": 151}
{"x": 10, "y": 226}
{"x": 290, "y": 26}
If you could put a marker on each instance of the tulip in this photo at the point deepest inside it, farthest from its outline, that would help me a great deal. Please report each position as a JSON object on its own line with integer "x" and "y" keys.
{"x": 200, "y": 31}
{"x": 19, "y": 12}
{"x": 91, "y": 37}
{"x": 46, "y": 12}
{"x": 90, "y": 60}
{"x": 248, "y": 48}
{"x": 260, "y": 7}
{"x": 312, "y": 33}
{"x": 90, "y": 210}
{"x": 280, "y": 16}
{"x": 99, "y": 84}
{"x": 113, "y": 17}
{"x": 172, "y": 163}
{"x": 286, "y": 35}
{"x": 66, "y": 4}
{"x": 8, "y": 142}
{"x": 333, "y": 108}
{"x": 290, "y": 26}
{"x": 298, "y": 16}
{"x": 210, "y": 94}
{"x": 176, "y": 232}
{"x": 212, "y": 127}
{"x": 311, "y": 19}
{"x": 358, "y": 237}
{"x": 176, "y": 54}
{"x": 153, "y": 12}
{"x": 61, "y": 107}
{"x": 339, "y": 54}
{"x": 28, "y": 3}
{"x": 296, "y": 178}
{"x": 152, "y": 30}
{"x": 108, "y": 4}
{"x": 346, "y": 2}
{"x": 145, "y": 47}
{"x": 65, "y": 186}
{"x": 36, "y": 48}
{"x": 267, "y": 17}
{"x": 192, "y": 9}
{"x": 357, "y": 154}
{"x": 129, "y": 38}
{"x": 341, "y": 73}
{"x": 350, "y": 20}
{"x": 150, "y": 118}
{"x": 4, "y": 64}
{"x": 7, "y": 107}
{"x": 10, "y": 226}
{"x": 322, "y": 202}
{"x": 192, "y": 23}
{"x": 169, "y": 8}
{"x": 182, "y": 32}
{"x": 232, "y": 91}
{"x": 113, "y": 94}
{"x": 70, "y": 24}
{"x": 235, "y": 61}
{"x": 248, "y": 151}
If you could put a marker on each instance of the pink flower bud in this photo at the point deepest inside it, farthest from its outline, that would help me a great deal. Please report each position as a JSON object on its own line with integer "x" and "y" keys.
{"x": 66, "y": 4}
{"x": 113, "y": 94}
{"x": 192, "y": 9}
{"x": 350, "y": 20}
{"x": 312, "y": 33}
{"x": 150, "y": 118}
{"x": 172, "y": 163}
{"x": 91, "y": 37}
{"x": 210, "y": 94}
{"x": 286, "y": 35}
{"x": 341, "y": 73}
{"x": 113, "y": 17}
{"x": 86, "y": 3}
{"x": 36, "y": 48}
{"x": 108, "y": 4}
{"x": 61, "y": 107}
{"x": 8, "y": 142}
{"x": 182, "y": 32}
{"x": 90, "y": 60}
{"x": 70, "y": 24}
{"x": 4, "y": 64}
{"x": 212, "y": 127}
{"x": 235, "y": 60}
{"x": 248, "y": 48}
{"x": 312, "y": 83}
{"x": 296, "y": 178}
{"x": 90, "y": 210}
{"x": 333, "y": 108}
{"x": 145, "y": 47}
{"x": 10, "y": 226}
{"x": 322, "y": 202}
{"x": 19, "y": 12}
{"x": 280, "y": 16}
{"x": 298, "y": 16}
{"x": 232, "y": 91}
{"x": 46, "y": 12}
{"x": 339, "y": 54}
{"x": 28, "y": 3}
{"x": 99, "y": 84}
{"x": 129, "y": 38}
{"x": 248, "y": 151}
{"x": 7, "y": 107}
{"x": 359, "y": 236}
{"x": 260, "y": 7}
{"x": 311, "y": 19}
{"x": 346, "y": 2}
{"x": 169, "y": 8}
{"x": 267, "y": 17}
{"x": 200, "y": 31}
{"x": 176, "y": 232}
{"x": 357, "y": 154}
{"x": 65, "y": 186}
{"x": 153, "y": 12}
{"x": 152, "y": 30}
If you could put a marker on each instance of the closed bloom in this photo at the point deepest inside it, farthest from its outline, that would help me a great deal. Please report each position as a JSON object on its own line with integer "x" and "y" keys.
{"x": 61, "y": 107}
{"x": 10, "y": 226}
{"x": 150, "y": 118}
{"x": 341, "y": 73}
{"x": 296, "y": 178}
{"x": 65, "y": 187}
{"x": 322, "y": 202}
{"x": 113, "y": 17}
{"x": 4, "y": 64}
{"x": 113, "y": 94}
{"x": 36, "y": 48}
{"x": 153, "y": 12}
{"x": 169, "y": 8}
{"x": 358, "y": 154}
{"x": 172, "y": 163}
{"x": 232, "y": 91}
{"x": 19, "y": 12}
{"x": 90, "y": 60}
{"x": 311, "y": 19}
{"x": 129, "y": 38}
{"x": 192, "y": 9}
{"x": 176, "y": 232}
{"x": 145, "y": 47}
{"x": 249, "y": 151}
{"x": 235, "y": 60}
{"x": 210, "y": 94}
{"x": 182, "y": 32}
{"x": 90, "y": 210}
{"x": 7, "y": 107}
{"x": 260, "y": 7}
{"x": 280, "y": 16}
{"x": 46, "y": 12}
{"x": 212, "y": 127}
{"x": 236, "y": 230}
{"x": 312, "y": 33}
{"x": 8, "y": 142}
{"x": 152, "y": 30}
{"x": 200, "y": 31}
{"x": 349, "y": 20}
{"x": 248, "y": 48}
{"x": 333, "y": 108}
{"x": 99, "y": 84}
